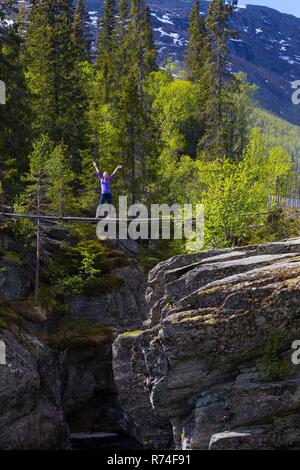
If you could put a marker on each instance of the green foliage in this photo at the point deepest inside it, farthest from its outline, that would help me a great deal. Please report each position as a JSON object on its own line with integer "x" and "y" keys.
{"x": 87, "y": 272}
{"x": 280, "y": 224}
{"x": 174, "y": 108}
{"x": 15, "y": 116}
{"x": 9, "y": 316}
{"x": 278, "y": 132}
{"x": 60, "y": 178}
{"x": 235, "y": 195}
{"x": 81, "y": 36}
{"x": 36, "y": 179}
{"x": 13, "y": 257}
{"x": 271, "y": 366}
{"x": 86, "y": 268}
{"x": 54, "y": 76}
{"x": 180, "y": 141}
{"x": 216, "y": 84}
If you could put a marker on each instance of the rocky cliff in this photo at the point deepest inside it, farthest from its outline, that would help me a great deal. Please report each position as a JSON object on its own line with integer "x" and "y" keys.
{"x": 209, "y": 368}
{"x": 213, "y": 362}
{"x": 58, "y": 378}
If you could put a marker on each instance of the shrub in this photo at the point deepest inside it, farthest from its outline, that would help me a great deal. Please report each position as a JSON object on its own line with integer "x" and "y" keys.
{"x": 272, "y": 366}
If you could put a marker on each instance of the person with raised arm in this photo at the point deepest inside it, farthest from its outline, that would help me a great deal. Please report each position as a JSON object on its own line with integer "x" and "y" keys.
{"x": 105, "y": 180}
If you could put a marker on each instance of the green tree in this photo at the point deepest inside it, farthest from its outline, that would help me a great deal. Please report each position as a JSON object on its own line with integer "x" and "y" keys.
{"x": 80, "y": 32}
{"x": 120, "y": 114}
{"x": 15, "y": 114}
{"x": 197, "y": 49}
{"x": 34, "y": 199}
{"x": 106, "y": 47}
{"x": 237, "y": 120}
{"x": 54, "y": 76}
{"x": 60, "y": 180}
{"x": 236, "y": 195}
{"x": 216, "y": 84}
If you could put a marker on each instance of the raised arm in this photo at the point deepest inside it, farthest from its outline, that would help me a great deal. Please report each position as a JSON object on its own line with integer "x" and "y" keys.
{"x": 97, "y": 169}
{"x": 118, "y": 167}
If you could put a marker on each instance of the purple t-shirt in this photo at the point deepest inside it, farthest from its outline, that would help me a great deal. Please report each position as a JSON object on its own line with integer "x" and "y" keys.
{"x": 105, "y": 184}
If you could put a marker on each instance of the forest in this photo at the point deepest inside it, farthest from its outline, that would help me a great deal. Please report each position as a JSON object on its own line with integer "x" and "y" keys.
{"x": 193, "y": 135}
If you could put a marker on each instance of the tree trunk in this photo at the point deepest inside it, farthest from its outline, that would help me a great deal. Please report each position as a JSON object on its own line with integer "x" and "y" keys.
{"x": 38, "y": 247}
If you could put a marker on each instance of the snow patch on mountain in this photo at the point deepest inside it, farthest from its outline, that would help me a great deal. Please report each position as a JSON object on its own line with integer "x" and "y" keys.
{"x": 164, "y": 19}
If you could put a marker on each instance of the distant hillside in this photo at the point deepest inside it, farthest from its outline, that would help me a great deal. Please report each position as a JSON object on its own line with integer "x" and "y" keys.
{"x": 278, "y": 131}
{"x": 267, "y": 49}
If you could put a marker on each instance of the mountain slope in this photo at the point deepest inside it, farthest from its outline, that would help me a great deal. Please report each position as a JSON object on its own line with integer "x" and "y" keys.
{"x": 278, "y": 132}
{"x": 267, "y": 49}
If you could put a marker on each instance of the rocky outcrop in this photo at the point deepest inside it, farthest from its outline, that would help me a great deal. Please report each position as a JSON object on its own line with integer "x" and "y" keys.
{"x": 214, "y": 360}
{"x": 123, "y": 308}
{"x": 47, "y": 391}
{"x": 136, "y": 414}
{"x": 30, "y": 390}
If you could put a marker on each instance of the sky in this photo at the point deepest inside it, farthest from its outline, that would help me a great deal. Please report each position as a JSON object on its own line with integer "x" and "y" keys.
{"x": 286, "y": 6}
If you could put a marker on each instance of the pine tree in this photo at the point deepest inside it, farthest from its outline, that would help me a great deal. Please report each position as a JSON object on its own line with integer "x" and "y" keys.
{"x": 15, "y": 113}
{"x": 141, "y": 61}
{"x": 54, "y": 78}
{"x": 120, "y": 33}
{"x": 150, "y": 54}
{"x": 141, "y": 42}
{"x": 35, "y": 200}
{"x": 126, "y": 56}
{"x": 106, "y": 46}
{"x": 197, "y": 50}
{"x": 60, "y": 179}
{"x": 82, "y": 38}
{"x": 217, "y": 82}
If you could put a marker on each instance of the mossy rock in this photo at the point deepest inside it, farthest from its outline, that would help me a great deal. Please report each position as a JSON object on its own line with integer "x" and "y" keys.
{"x": 131, "y": 333}
{"x": 148, "y": 261}
{"x": 79, "y": 334}
{"x": 102, "y": 285}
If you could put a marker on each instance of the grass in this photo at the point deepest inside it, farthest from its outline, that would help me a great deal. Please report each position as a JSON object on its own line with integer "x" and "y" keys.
{"x": 148, "y": 261}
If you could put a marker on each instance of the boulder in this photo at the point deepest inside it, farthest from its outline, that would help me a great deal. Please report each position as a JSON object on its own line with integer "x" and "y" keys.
{"x": 122, "y": 308}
